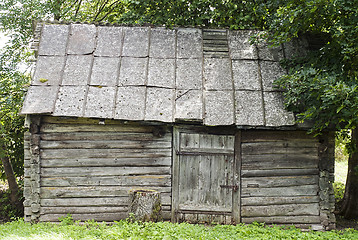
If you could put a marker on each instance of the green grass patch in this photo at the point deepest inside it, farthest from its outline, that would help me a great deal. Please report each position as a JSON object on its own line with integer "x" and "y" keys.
{"x": 162, "y": 230}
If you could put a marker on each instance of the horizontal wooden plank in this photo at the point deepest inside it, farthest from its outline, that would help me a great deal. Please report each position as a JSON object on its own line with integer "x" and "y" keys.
{"x": 204, "y": 208}
{"x": 85, "y": 210}
{"x": 278, "y": 172}
{"x": 104, "y": 153}
{"x": 201, "y": 151}
{"x": 106, "y": 162}
{"x": 283, "y": 219}
{"x": 85, "y": 202}
{"x": 274, "y": 161}
{"x": 82, "y": 210}
{"x": 95, "y": 201}
{"x": 277, "y": 200}
{"x": 63, "y": 127}
{"x": 141, "y": 180}
{"x": 103, "y": 171}
{"x": 281, "y": 181}
{"x": 270, "y": 135}
{"x": 305, "y": 190}
{"x": 105, "y": 144}
{"x": 276, "y": 148}
{"x": 98, "y": 136}
{"x": 99, "y": 217}
{"x": 311, "y": 209}
{"x": 95, "y": 191}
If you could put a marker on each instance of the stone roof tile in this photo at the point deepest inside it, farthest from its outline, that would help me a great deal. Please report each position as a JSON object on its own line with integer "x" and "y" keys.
{"x": 54, "y": 40}
{"x": 157, "y": 74}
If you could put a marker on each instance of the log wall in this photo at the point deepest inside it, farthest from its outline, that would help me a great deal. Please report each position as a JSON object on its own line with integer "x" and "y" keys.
{"x": 282, "y": 180}
{"x": 87, "y": 169}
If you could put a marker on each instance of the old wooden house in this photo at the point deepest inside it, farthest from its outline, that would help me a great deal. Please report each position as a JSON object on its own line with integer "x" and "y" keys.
{"x": 191, "y": 113}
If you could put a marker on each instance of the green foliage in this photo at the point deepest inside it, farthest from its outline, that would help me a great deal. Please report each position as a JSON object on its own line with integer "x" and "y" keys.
{"x": 7, "y": 210}
{"x": 323, "y": 85}
{"x": 338, "y": 188}
{"x": 213, "y": 13}
{"x": 162, "y": 230}
{"x": 66, "y": 220}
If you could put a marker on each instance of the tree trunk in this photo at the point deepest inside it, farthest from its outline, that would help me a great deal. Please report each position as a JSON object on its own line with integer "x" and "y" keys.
{"x": 10, "y": 176}
{"x": 350, "y": 200}
{"x": 145, "y": 205}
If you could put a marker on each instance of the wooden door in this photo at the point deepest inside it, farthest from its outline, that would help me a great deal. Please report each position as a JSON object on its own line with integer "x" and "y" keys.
{"x": 205, "y": 179}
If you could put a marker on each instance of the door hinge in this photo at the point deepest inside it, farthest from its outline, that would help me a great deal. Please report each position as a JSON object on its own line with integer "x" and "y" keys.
{"x": 233, "y": 187}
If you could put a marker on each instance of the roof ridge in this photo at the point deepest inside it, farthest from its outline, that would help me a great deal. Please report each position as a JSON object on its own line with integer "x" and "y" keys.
{"x": 64, "y": 22}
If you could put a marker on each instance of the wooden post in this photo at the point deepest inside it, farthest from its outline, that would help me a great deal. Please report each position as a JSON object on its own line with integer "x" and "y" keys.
{"x": 145, "y": 205}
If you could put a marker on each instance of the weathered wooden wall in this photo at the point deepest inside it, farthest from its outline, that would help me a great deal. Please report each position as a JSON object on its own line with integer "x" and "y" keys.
{"x": 280, "y": 177}
{"x": 87, "y": 169}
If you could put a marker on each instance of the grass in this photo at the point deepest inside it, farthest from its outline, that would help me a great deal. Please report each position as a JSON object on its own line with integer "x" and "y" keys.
{"x": 162, "y": 230}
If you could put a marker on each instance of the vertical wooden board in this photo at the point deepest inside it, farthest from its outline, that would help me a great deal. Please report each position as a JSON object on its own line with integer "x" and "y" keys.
{"x": 228, "y": 161}
{"x": 183, "y": 180}
{"x": 204, "y": 180}
{"x": 194, "y": 178}
{"x": 191, "y": 218}
{"x": 175, "y": 176}
{"x": 216, "y": 181}
{"x": 218, "y": 219}
{"x": 205, "y": 140}
{"x": 189, "y": 140}
{"x": 204, "y": 218}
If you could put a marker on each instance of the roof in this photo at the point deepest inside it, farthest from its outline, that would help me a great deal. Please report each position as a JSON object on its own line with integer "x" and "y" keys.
{"x": 213, "y": 76}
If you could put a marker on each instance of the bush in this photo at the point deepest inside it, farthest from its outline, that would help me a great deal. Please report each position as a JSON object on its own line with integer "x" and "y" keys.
{"x": 8, "y": 211}
{"x": 338, "y": 188}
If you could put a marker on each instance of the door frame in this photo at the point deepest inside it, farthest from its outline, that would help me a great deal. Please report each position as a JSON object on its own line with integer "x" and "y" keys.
{"x": 236, "y": 199}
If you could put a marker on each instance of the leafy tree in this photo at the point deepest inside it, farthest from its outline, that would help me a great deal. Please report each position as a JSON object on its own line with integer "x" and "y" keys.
{"x": 323, "y": 86}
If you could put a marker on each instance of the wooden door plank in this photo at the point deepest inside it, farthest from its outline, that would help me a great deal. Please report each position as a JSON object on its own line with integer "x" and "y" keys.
{"x": 236, "y": 198}
{"x": 175, "y": 176}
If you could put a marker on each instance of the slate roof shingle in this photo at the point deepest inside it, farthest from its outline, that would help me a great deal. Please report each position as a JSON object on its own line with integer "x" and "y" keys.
{"x": 144, "y": 73}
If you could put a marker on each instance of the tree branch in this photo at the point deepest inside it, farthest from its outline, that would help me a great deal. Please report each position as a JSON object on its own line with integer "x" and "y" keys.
{"x": 108, "y": 12}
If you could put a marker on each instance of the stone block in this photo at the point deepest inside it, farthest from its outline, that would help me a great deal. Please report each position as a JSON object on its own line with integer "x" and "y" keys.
{"x": 162, "y": 43}
{"x": 133, "y": 71}
{"x": 249, "y": 108}
{"x": 70, "y": 101}
{"x": 48, "y": 70}
{"x": 219, "y": 108}
{"x": 136, "y": 42}
{"x": 189, "y": 43}
{"x": 246, "y": 75}
{"x": 217, "y": 74}
{"x": 109, "y": 42}
{"x": 160, "y": 104}
{"x": 82, "y": 39}
{"x": 189, "y": 74}
{"x": 275, "y": 112}
{"x": 269, "y": 53}
{"x": 130, "y": 103}
{"x": 189, "y": 105}
{"x": 240, "y": 46}
{"x": 39, "y": 100}
{"x": 54, "y": 40}
{"x": 270, "y": 71}
{"x": 100, "y": 102}
{"x": 161, "y": 73}
{"x": 77, "y": 70}
{"x": 105, "y": 71}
